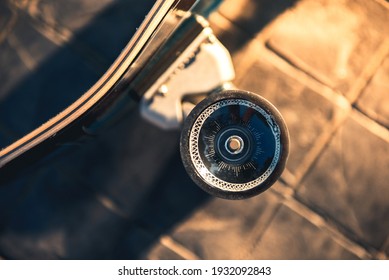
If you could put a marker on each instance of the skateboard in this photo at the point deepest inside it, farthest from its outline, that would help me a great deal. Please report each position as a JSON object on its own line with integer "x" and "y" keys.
{"x": 234, "y": 144}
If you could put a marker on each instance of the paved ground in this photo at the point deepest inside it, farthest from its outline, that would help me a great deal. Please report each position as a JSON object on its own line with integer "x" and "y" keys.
{"x": 324, "y": 64}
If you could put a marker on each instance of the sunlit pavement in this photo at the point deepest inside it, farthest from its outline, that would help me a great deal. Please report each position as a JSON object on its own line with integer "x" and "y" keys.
{"x": 125, "y": 194}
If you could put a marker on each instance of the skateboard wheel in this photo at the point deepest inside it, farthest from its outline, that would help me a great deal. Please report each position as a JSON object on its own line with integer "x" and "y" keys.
{"x": 234, "y": 144}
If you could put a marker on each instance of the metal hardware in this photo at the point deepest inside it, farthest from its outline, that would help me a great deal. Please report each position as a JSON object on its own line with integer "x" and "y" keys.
{"x": 202, "y": 68}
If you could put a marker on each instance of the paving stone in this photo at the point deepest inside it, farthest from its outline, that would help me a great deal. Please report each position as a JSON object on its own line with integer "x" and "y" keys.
{"x": 375, "y": 99}
{"x": 160, "y": 252}
{"x": 253, "y": 15}
{"x": 387, "y": 250}
{"x": 31, "y": 46}
{"x": 335, "y": 42}
{"x": 306, "y": 112}
{"x": 349, "y": 183}
{"x": 138, "y": 168}
{"x": 126, "y": 162}
{"x": 13, "y": 73}
{"x": 10, "y": 76}
{"x": 72, "y": 14}
{"x": 135, "y": 242}
{"x": 224, "y": 229}
{"x": 140, "y": 243}
{"x": 21, "y": 51}
{"x": 173, "y": 198}
{"x": 290, "y": 236}
{"x": 167, "y": 199}
{"x": 96, "y": 29}
{"x": 60, "y": 219}
{"x": 7, "y": 20}
{"x": 230, "y": 36}
{"x": 89, "y": 26}
{"x": 110, "y": 31}
{"x": 10, "y": 198}
{"x": 52, "y": 86}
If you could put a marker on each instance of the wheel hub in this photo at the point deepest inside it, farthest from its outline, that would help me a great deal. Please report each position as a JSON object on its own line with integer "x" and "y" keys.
{"x": 234, "y": 145}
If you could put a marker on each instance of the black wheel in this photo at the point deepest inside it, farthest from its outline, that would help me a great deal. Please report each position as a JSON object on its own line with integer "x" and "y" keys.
{"x": 234, "y": 144}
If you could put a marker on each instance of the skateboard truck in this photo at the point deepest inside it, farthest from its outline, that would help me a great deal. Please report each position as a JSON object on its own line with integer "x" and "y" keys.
{"x": 234, "y": 144}
{"x": 204, "y": 67}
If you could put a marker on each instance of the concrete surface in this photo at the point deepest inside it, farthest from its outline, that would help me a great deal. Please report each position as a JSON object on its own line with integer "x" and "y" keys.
{"x": 125, "y": 194}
